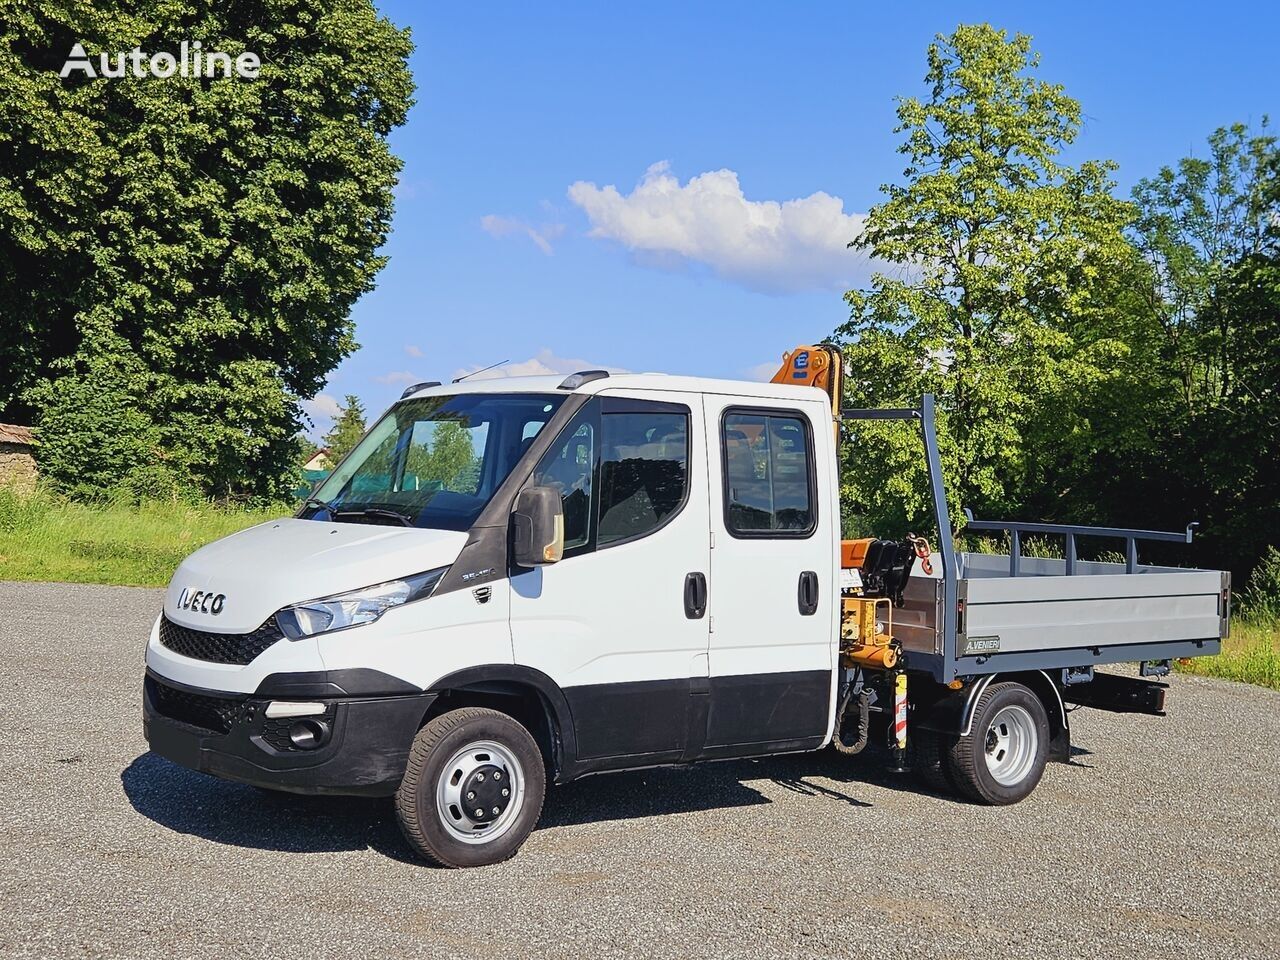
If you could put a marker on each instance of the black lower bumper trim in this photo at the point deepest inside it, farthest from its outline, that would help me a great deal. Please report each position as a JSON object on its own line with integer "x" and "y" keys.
{"x": 365, "y": 754}
{"x": 352, "y": 682}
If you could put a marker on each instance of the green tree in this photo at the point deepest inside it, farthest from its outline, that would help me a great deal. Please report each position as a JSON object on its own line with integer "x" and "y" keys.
{"x": 348, "y": 427}
{"x": 212, "y": 234}
{"x": 997, "y": 268}
{"x": 1240, "y": 436}
{"x": 1197, "y": 222}
{"x": 1210, "y": 233}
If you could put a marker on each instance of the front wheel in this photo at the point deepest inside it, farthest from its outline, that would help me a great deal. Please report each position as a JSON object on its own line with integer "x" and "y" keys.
{"x": 473, "y": 788}
{"x": 1003, "y": 758}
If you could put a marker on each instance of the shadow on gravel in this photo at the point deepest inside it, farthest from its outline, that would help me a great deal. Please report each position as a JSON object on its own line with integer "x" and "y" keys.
{"x": 232, "y": 813}
{"x": 224, "y": 812}
{"x": 711, "y": 786}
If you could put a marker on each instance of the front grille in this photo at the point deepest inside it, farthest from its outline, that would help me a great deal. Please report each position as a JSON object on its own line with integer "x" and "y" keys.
{"x": 209, "y": 713}
{"x": 218, "y": 647}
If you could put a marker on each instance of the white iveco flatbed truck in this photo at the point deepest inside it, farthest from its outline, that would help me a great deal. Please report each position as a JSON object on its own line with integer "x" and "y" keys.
{"x": 513, "y": 581}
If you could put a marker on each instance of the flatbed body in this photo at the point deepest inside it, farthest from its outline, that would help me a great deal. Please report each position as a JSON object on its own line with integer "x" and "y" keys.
{"x": 1044, "y": 619}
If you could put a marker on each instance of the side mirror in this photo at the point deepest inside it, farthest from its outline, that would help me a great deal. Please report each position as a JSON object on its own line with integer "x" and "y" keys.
{"x": 538, "y": 521}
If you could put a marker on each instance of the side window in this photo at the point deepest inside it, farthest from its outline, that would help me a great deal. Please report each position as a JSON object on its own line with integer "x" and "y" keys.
{"x": 568, "y": 467}
{"x": 644, "y": 472}
{"x": 768, "y": 474}
{"x": 622, "y": 470}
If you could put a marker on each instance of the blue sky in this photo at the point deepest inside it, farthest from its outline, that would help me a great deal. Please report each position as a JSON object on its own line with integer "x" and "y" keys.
{"x": 497, "y": 255}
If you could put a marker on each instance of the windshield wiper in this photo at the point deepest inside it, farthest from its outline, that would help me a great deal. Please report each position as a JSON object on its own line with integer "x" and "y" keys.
{"x": 402, "y": 518}
{"x": 316, "y": 502}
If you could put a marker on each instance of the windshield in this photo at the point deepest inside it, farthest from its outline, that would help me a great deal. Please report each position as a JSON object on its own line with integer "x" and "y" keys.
{"x": 433, "y": 462}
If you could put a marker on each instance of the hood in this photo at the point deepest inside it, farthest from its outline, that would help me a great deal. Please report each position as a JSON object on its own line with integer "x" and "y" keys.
{"x": 259, "y": 570}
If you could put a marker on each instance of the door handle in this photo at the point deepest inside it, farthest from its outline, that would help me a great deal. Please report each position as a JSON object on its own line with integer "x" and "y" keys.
{"x": 695, "y": 596}
{"x": 807, "y": 594}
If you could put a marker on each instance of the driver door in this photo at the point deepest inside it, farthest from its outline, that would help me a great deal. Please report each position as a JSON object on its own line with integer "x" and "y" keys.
{"x": 617, "y": 622}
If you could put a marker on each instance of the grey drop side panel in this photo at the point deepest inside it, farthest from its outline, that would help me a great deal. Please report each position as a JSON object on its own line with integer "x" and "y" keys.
{"x": 1094, "y": 622}
{"x": 1044, "y": 611}
{"x": 1097, "y": 609}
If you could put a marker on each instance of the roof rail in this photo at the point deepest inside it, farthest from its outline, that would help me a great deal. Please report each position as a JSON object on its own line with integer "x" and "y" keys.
{"x": 574, "y": 380}
{"x": 419, "y": 386}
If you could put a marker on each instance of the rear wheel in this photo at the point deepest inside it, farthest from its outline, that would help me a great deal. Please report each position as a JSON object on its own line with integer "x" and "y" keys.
{"x": 1003, "y": 758}
{"x": 928, "y": 750}
{"x": 473, "y": 788}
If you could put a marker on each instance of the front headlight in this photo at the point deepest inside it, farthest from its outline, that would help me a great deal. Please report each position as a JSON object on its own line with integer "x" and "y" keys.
{"x": 359, "y": 606}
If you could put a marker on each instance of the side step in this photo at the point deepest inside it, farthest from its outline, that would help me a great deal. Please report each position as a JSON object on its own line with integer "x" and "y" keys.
{"x": 1107, "y": 691}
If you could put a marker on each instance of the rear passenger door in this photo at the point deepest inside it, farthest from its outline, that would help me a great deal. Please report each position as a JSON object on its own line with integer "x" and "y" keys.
{"x": 610, "y": 622}
{"x": 773, "y": 590}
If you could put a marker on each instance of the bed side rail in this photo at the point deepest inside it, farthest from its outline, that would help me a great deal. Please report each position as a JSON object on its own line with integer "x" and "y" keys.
{"x": 1016, "y": 528}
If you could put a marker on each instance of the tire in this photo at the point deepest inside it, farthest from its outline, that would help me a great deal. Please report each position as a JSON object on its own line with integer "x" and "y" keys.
{"x": 463, "y": 757}
{"x": 1003, "y": 758}
{"x": 928, "y": 750}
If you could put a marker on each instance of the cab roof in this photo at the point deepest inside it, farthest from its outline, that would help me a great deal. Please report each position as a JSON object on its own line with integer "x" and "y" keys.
{"x": 622, "y": 381}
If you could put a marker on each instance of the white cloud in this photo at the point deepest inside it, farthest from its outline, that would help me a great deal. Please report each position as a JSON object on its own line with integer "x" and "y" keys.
{"x": 761, "y": 244}
{"x": 321, "y": 410}
{"x": 542, "y": 235}
{"x": 543, "y": 364}
{"x": 407, "y": 190}
{"x": 413, "y": 350}
{"x": 398, "y": 376}
{"x": 322, "y": 405}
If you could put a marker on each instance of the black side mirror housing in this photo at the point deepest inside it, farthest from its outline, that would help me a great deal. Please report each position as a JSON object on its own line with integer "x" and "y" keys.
{"x": 538, "y": 527}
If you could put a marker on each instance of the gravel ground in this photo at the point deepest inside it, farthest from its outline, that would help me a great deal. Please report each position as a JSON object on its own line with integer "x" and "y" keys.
{"x": 1160, "y": 839}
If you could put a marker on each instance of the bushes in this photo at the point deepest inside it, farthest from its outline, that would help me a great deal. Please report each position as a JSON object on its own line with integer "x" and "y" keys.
{"x": 93, "y": 433}
{"x": 1260, "y": 599}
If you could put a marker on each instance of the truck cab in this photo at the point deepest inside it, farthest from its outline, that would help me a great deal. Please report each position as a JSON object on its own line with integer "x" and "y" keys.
{"x": 600, "y": 572}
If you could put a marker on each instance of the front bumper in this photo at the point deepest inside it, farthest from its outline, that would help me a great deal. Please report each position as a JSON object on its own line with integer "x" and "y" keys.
{"x": 364, "y": 751}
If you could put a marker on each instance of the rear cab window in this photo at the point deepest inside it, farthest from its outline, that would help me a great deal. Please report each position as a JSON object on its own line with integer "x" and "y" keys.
{"x": 769, "y": 481}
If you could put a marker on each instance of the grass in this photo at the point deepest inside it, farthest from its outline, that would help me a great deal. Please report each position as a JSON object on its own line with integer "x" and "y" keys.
{"x": 1251, "y": 655}
{"x": 44, "y": 537}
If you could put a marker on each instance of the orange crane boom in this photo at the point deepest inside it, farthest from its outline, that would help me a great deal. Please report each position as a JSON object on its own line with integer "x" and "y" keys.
{"x": 818, "y": 366}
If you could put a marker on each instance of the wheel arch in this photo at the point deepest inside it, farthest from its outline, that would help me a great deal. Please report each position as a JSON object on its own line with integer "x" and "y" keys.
{"x": 1039, "y": 683}
{"x": 953, "y": 712}
{"x": 527, "y": 695}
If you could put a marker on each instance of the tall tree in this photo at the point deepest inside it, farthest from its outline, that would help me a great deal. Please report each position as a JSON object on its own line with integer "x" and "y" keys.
{"x": 1209, "y": 232}
{"x": 996, "y": 261}
{"x": 206, "y": 237}
{"x": 348, "y": 427}
{"x": 1197, "y": 222}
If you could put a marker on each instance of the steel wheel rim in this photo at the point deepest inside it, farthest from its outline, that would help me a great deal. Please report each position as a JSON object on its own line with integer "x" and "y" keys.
{"x": 1011, "y": 744}
{"x": 465, "y": 806}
